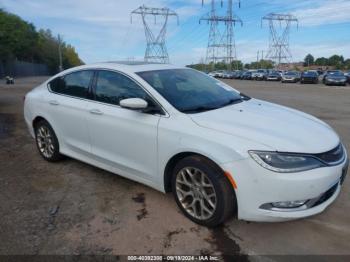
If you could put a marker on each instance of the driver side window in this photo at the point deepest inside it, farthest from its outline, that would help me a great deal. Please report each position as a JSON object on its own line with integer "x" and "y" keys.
{"x": 111, "y": 87}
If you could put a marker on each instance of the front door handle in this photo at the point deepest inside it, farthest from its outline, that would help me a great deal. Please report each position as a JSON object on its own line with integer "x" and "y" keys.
{"x": 96, "y": 112}
{"x": 53, "y": 102}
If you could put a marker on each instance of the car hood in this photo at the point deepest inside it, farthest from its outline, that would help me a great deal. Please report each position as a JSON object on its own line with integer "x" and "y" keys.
{"x": 280, "y": 128}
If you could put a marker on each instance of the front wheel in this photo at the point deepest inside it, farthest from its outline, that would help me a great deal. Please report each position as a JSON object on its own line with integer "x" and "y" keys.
{"x": 47, "y": 142}
{"x": 202, "y": 191}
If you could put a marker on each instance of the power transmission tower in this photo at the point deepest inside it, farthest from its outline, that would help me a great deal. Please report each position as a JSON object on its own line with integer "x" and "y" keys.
{"x": 221, "y": 45}
{"x": 279, "y": 25}
{"x": 156, "y": 50}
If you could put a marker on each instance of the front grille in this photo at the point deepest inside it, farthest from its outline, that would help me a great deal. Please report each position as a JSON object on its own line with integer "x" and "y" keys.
{"x": 333, "y": 156}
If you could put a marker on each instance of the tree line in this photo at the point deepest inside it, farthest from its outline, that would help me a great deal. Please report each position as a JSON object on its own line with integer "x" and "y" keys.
{"x": 336, "y": 61}
{"x": 235, "y": 65}
{"x": 19, "y": 40}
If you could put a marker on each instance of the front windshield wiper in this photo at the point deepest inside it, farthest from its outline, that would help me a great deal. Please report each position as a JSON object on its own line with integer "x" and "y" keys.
{"x": 199, "y": 109}
{"x": 232, "y": 101}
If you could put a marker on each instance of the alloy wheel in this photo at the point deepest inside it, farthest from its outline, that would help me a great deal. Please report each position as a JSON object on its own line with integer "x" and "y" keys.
{"x": 196, "y": 193}
{"x": 45, "y": 141}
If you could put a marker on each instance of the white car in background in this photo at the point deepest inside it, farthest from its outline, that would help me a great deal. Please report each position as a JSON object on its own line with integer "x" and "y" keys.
{"x": 175, "y": 129}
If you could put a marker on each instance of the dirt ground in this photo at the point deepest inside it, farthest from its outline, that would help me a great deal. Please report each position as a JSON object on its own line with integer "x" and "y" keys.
{"x": 73, "y": 208}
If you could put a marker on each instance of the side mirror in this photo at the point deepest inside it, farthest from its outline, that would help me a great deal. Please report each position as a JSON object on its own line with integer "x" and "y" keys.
{"x": 133, "y": 103}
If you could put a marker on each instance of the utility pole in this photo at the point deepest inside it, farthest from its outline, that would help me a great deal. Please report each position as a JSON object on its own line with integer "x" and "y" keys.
{"x": 279, "y": 26}
{"x": 156, "y": 50}
{"x": 60, "y": 67}
{"x": 221, "y": 45}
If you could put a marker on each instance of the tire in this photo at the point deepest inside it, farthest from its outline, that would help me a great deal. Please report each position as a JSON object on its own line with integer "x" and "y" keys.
{"x": 47, "y": 142}
{"x": 221, "y": 192}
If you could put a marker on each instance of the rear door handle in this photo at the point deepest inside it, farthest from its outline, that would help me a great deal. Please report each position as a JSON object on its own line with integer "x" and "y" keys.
{"x": 53, "y": 102}
{"x": 96, "y": 112}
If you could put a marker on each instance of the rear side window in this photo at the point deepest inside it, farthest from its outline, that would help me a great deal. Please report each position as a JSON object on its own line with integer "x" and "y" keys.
{"x": 75, "y": 84}
{"x": 111, "y": 87}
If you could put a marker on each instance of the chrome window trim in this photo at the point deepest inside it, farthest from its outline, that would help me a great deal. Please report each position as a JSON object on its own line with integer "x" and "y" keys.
{"x": 166, "y": 114}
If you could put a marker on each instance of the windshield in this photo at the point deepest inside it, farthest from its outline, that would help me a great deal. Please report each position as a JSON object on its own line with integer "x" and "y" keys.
{"x": 190, "y": 91}
{"x": 336, "y": 73}
{"x": 290, "y": 73}
{"x": 310, "y": 73}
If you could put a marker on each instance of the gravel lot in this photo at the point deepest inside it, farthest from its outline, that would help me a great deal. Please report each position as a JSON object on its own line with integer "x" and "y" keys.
{"x": 73, "y": 208}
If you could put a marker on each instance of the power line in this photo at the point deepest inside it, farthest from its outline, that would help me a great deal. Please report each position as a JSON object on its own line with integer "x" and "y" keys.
{"x": 156, "y": 50}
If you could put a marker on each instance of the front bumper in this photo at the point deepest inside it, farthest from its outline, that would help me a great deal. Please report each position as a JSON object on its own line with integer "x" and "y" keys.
{"x": 309, "y": 80}
{"x": 333, "y": 82}
{"x": 259, "y": 77}
{"x": 290, "y": 80}
{"x": 257, "y": 186}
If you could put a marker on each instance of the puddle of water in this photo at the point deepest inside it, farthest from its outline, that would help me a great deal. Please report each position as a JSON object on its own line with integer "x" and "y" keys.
{"x": 139, "y": 198}
{"x": 142, "y": 213}
{"x": 227, "y": 246}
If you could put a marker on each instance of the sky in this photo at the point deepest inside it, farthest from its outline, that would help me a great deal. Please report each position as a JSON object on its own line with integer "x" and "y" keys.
{"x": 101, "y": 30}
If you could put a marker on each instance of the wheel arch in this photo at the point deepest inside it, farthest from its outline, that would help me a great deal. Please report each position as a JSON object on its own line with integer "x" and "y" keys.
{"x": 175, "y": 159}
{"x": 37, "y": 119}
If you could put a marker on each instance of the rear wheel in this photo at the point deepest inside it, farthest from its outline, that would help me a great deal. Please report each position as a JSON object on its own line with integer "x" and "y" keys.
{"x": 202, "y": 191}
{"x": 47, "y": 142}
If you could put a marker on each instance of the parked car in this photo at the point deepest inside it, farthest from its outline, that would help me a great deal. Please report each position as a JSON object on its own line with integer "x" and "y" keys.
{"x": 212, "y": 73}
{"x": 309, "y": 77}
{"x": 247, "y": 75}
{"x": 273, "y": 76}
{"x": 220, "y": 73}
{"x": 228, "y": 74}
{"x": 238, "y": 74}
{"x": 335, "y": 77}
{"x": 347, "y": 75}
{"x": 259, "y": 74}
{"x": 290, "y": 77}
{"x": 177, "y": 129}
{"x": 217, "y": 74}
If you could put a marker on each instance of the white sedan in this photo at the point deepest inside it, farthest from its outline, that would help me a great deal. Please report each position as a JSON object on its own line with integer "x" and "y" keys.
{"x": 176, "y": 129}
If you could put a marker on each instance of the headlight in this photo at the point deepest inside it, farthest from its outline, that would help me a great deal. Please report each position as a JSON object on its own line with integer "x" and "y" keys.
{"x": 285, "y": 162}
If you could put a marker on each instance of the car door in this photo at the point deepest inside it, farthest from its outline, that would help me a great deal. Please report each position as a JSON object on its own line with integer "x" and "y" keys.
{"x": 67, "y": 110}
{"x": 122, "y": 138}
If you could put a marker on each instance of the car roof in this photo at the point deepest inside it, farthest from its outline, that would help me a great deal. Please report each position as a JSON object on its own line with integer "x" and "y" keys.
{"x": 127, "y": 66}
